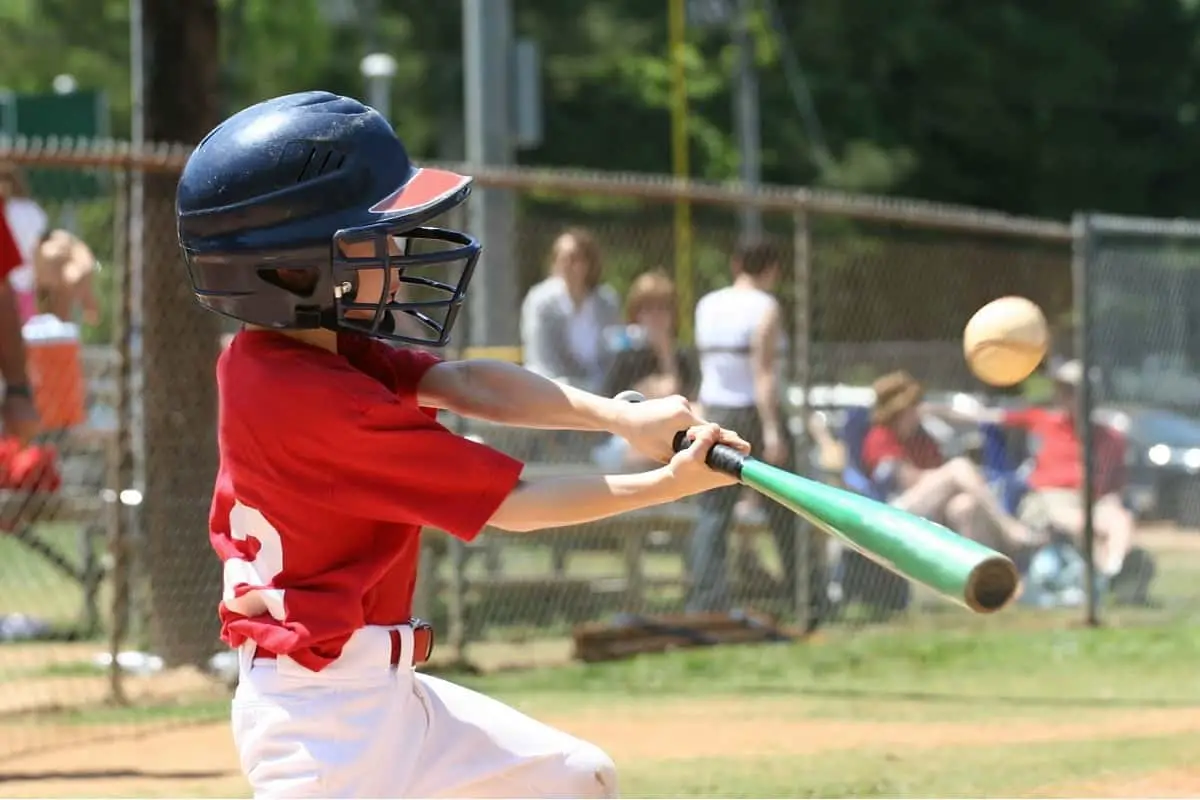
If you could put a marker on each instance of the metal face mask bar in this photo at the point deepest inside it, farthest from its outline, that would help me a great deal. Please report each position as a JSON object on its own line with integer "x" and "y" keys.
{"x": 436, "y": 300}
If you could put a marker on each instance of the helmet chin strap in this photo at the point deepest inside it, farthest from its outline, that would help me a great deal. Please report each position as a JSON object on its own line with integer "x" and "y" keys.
{"x": 330, "y": 320}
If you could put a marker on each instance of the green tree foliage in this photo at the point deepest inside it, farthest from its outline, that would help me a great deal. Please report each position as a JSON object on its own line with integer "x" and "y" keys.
{"x": 1030, "y": 107}
{"x": 1026, "y": 106}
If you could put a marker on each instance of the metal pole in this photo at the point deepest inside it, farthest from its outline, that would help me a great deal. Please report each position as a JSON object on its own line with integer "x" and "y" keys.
{"x": 746, "y": 112}
{"x": 137, "y": 217}
{"x": 137, "y": 281}
{"x": 379, "y": 96}
{"x": 378, "y": 69}
{"x": 1080, "y": 257}
{"x": 809, "y": 565}
{"x": 680, "y": 166}
{"x": 126, "y": 462}
{"x": 487, "y": 53}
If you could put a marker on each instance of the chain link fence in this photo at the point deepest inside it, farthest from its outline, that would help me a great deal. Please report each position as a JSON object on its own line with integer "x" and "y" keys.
{"x": 101, "y": 615}
{"x": 868, "y": 286}
{"x": 1138, "y": 283}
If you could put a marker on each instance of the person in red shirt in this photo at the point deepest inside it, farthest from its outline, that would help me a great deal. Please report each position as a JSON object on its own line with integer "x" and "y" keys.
{"x": 904, "y": 460}
{"x": 302, "y": 217}
{"x": 18, "y": 411}
{"x": 1055, "y": 499}
{"x": 1055, "y": 502}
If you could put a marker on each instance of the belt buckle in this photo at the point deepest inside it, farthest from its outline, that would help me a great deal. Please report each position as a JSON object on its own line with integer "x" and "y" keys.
{"x": 422, "y": 625}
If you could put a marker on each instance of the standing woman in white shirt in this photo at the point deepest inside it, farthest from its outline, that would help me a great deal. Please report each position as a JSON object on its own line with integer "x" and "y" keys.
{"x": 739, "y": 338}
{"x": 27, "y": 221}
{"x": 564, "y": 318}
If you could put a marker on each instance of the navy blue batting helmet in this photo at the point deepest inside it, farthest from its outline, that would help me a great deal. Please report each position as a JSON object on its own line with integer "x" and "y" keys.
{"x": 288, "y": 184}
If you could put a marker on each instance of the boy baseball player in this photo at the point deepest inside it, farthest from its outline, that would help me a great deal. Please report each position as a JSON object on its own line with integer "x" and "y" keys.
{"x": 303, "y": 218}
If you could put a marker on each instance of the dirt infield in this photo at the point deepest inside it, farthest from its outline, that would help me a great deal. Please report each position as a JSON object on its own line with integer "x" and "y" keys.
{"x": 199, "y": 760}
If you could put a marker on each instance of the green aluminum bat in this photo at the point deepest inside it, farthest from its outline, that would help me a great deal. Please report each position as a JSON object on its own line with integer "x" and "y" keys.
{"x": 930, "y": 554}
{"x": 925, "y": 552}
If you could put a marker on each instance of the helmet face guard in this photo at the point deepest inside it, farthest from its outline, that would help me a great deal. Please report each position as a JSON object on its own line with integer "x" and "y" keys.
{"x": 424, "y": 274}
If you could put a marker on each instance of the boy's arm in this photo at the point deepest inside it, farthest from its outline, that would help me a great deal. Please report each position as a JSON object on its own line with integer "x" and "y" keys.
{"x": 556, "y": 502}
{"x": 970, "y": 415}
{"x": 497, "y": 391}
{"x": 504, "y": 393}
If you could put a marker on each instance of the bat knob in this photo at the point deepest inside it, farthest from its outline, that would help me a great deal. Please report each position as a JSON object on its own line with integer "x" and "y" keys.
{"x": 630, "y": 396}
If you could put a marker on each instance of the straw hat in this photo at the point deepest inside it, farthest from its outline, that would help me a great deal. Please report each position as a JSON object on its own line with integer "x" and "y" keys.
{"x": 894, "y": 393}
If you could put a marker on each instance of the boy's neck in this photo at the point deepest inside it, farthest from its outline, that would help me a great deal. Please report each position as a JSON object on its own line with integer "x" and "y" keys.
{"x": 319, "y": 337}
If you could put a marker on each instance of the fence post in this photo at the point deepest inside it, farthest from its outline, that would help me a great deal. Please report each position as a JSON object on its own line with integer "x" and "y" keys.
{"x": 1081, "y": 254}
{"x": 118, "y": 451}
{"x": 807, "y": 560}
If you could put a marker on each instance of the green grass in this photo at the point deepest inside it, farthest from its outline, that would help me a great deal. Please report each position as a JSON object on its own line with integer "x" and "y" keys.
{"x": 29, "y": 585}
{"x": 986, "y": 663}
{"x": 181, "y": 710}
{"x": 988, "y": 672}
{"x": 950, "y": 772}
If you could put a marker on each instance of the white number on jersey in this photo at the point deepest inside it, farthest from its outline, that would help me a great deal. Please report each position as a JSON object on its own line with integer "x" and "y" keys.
{"x": 247, "y": 523}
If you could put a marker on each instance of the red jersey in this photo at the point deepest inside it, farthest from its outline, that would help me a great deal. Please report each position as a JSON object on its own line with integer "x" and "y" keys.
{"x": 1058, "y": 463}
{"x": 10, "y": 254}
{"x": 328, "y": 472}
{"x": 882, "y": 444}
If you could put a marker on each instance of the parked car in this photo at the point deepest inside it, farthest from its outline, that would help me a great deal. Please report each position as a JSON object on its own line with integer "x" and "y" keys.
{"x": 1163, "y": 460}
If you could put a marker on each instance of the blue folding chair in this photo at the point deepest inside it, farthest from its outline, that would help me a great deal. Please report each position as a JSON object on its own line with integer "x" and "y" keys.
{"x": 854, "y": 434}
{"x": 1007, "y": 476}
{"x": 858, "y": 577}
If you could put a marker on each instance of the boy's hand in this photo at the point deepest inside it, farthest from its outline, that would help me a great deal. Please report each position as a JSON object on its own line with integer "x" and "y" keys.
{"x": 687, "y": 467}
{"x": 651, "y": 426}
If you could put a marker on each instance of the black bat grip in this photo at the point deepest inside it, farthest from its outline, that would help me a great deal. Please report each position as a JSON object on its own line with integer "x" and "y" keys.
{"x": 721, "y": 457}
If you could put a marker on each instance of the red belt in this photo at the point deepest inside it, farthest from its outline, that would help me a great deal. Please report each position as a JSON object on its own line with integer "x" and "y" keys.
{"x": 422, "y": 645}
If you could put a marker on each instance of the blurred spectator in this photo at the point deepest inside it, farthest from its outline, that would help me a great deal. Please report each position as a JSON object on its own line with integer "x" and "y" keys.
{"x": 647, "y": 357}
{"x": 739, "y": 337}
{"x": 18, "y": 410}
{"x": 1054, "y": 502}
{"x": 904, "y": 462}
{"x": 1055, "y": 499}
{"x": 563, "y": 318}
{"x": 27, "y": 222}
{"x": 64, "y": 268}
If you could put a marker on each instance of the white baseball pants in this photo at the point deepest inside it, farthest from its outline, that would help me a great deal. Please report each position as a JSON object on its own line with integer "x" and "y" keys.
{"x": 362, "y": 728}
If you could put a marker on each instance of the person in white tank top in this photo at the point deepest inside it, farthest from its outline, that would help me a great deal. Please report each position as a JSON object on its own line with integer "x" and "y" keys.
{"x": 739, "y": 337}
{"x": 739, "y": 340}
{"x": 727, "y": 321}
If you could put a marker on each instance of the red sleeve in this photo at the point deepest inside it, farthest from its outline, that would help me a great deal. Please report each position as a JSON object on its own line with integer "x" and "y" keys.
{"x": 397, "y": 463}
{"x": 1024, "y": 418}
{"x": 880, "y": 445}
{"x": 410, "y": 366}
{"x": 10, "y": 254}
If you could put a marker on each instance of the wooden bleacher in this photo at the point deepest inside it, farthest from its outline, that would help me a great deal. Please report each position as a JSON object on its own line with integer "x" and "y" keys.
{"x": 576, "y": 595}
{"x": 84, "y": 462}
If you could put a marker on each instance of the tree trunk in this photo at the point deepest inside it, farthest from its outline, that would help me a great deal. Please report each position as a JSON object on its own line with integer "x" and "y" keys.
{"x": 180, "y": 346}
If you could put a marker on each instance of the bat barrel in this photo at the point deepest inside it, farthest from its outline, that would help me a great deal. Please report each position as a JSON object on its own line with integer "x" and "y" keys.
{"x": 991, "y": 585}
